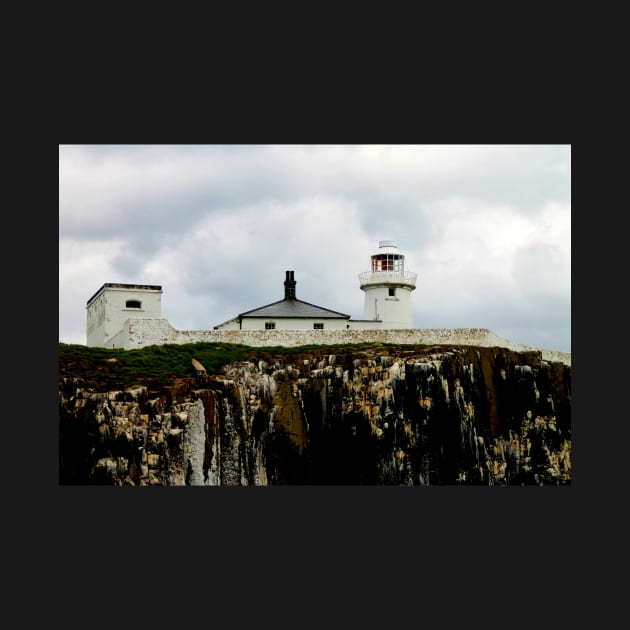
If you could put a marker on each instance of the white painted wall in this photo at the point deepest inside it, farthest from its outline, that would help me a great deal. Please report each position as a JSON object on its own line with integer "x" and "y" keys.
{"x": 365, "y": 324}
{"x": 395, "y": 312}
{"x": 289, "y": 323}
{"x": 121, "y": 339}
{"x": 231, "y": 324}
{"x": 107, "y": 313}
{"x": 300, "y": 324}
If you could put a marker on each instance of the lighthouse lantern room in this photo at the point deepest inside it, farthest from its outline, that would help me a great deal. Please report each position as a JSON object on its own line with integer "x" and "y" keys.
{"x": 388, "y": 288}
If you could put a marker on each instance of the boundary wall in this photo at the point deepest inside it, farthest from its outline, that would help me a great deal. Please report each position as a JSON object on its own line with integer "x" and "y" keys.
{"x": 141, "y": 332}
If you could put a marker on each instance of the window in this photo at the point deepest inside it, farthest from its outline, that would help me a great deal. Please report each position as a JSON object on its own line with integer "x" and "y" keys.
{"x": 270, "y": 325}
{"x": 392, "y": 292}
{"x": 318, "y": 326}
{"x": 133, "y": 304}
{"x": 388, "y": 262}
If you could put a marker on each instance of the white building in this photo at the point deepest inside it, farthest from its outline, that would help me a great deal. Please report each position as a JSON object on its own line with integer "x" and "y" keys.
{"x": 288, "y": 314}
{"x": 113, "y": 304}
{"x": 129, "y": 316}
{"x": 114, "y": 308}
{"x": 388, "y": 288}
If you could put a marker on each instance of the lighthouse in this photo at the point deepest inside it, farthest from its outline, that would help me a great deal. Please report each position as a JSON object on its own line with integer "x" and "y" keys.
{"x": 388, "y": 286}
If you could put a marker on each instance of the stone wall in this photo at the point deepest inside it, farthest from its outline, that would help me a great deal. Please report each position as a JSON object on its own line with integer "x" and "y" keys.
{"x": 138, "y": 333}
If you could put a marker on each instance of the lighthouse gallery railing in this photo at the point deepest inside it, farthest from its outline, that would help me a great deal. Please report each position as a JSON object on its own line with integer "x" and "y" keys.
{"x": 378, "y": 277}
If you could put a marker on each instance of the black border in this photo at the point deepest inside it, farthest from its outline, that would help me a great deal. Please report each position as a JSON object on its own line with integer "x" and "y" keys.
{"x": 318, "y": 545}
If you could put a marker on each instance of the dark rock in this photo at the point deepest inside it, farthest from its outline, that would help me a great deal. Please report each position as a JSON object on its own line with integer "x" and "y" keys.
{"x": 388, "y": 416}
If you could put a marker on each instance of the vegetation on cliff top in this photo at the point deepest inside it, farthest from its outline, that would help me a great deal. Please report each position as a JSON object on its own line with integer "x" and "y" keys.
{"x": 164, "y": 365}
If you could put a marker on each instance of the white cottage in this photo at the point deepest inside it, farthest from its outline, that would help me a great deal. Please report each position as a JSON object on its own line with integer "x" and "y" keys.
{"x": 288, "y": 314}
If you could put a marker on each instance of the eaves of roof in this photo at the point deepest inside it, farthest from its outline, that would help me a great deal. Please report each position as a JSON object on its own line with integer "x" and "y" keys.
{"x": 293, "y": 308}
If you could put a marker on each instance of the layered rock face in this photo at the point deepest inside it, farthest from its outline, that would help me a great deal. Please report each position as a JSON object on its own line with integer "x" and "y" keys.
{"x": 441, "y": 416}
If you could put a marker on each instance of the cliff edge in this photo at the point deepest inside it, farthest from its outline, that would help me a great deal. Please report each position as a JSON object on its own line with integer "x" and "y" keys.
{"x": 380, "y": 416}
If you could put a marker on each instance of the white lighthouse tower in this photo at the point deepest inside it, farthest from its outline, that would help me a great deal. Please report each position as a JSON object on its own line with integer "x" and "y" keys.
{"x": 388, "y": 288}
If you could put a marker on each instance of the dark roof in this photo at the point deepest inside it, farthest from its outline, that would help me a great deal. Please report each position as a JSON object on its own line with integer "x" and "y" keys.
{"x": 293, "y": 307}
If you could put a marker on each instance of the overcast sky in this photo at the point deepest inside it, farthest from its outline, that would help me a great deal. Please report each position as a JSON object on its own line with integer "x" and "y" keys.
{"x": 487, "y": 228}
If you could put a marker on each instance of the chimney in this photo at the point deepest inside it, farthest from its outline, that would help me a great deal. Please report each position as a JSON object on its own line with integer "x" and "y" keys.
{"x": 289, "y": 287}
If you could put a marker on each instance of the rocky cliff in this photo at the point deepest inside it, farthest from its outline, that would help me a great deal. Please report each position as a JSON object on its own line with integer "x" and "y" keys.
{"x": 383, "y": 416}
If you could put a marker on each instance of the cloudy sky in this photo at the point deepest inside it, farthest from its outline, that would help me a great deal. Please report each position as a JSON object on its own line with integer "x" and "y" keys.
{"x": 487, "y": 228}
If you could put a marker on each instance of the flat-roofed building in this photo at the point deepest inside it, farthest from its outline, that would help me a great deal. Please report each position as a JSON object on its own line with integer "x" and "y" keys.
{"x": 114, "y": 303}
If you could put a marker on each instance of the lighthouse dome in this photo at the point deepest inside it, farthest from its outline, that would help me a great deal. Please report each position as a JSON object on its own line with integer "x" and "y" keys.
{"x": 387, "y": 247}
